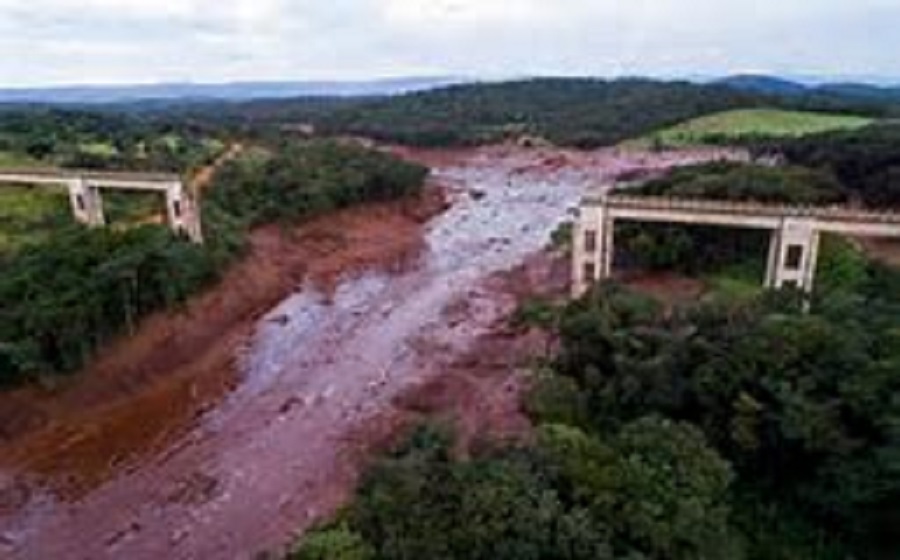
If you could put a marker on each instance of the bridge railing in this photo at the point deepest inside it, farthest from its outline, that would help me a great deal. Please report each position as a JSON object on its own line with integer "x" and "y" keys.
{"x": 832, "y": 213}
{"x": 64, "y": 174}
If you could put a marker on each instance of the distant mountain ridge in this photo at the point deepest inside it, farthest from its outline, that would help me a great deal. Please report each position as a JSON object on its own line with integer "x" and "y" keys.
{"x": 166, "y": 94}
{"x": 772, "y": 85}
{"x": 768, "y": 85}
{"x": 235, "y": 91}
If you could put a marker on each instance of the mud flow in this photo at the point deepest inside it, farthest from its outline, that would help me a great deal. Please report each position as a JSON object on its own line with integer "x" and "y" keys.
{"x": 316, "y": 385}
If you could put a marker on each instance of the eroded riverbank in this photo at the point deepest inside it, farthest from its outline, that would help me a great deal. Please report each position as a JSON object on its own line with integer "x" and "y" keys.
{"x": 267, "y": 414}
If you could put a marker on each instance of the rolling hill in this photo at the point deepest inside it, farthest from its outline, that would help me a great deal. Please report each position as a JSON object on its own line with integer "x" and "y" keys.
{"x": 770, "y": 85}
{"x": 744, "y": 123}
{"x": 574, "y": 112}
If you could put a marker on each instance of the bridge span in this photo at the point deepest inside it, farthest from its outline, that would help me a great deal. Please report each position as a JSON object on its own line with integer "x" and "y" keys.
{"x": 795, "y": 231}
{"x": 84, "y": 188}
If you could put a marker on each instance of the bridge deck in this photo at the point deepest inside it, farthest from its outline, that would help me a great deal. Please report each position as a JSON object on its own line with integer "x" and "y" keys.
{"x": 839, "y": 219}
{"x": 46, "y": 174}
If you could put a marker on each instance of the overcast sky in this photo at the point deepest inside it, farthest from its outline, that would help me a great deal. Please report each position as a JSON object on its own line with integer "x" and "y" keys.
{"x": 124, "y": 41}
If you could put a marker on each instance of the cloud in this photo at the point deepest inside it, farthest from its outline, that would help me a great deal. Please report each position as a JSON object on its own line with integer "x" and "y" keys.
{"x": 64, "y": 41}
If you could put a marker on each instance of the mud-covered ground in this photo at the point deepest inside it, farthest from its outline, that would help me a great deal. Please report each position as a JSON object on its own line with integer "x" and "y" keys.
{"x": 229, "y": 428}
{"x": 885, "y": 250}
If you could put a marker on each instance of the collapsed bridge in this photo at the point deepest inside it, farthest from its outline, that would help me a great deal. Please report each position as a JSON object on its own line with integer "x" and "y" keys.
{"x": 87, "y": 204}
{"x": 795, "y": 232}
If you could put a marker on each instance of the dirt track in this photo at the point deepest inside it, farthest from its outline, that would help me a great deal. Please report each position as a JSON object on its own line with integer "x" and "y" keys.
{"x": 221, "y": 431}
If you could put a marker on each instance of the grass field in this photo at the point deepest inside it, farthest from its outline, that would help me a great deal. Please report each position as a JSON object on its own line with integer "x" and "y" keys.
{"x": 750, "y": 122}
{"x": 9, "y": 159}
{"x": 27, "y": 215}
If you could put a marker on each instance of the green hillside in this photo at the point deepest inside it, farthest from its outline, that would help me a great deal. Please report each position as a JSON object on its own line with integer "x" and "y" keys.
{"x": 571, "y": 112}
{"x": 743, "y": 123}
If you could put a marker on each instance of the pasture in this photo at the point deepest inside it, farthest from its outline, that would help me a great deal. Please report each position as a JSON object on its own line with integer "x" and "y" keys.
{"x": 750, "y": 123}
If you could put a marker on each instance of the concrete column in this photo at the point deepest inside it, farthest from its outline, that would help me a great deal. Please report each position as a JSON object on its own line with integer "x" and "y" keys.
{"x": 774, "y": 252}
{"x": 608, "y": 246}
{"x": 811, "y": 264}
{"x": 98, "y": 219}
{"x": 78, "y": 198}
{"x": 795, "y": 248}
{"x": 182, "y": 213}
{"x": 578, "y": 251}
{"x": 87, "y": 204}
{"x": 587, "y": 248}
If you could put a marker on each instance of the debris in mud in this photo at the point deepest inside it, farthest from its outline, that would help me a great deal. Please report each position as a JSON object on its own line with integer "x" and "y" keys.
{"x": 281, "y": 320}
{"x": 119, "y": 536}
{"x": 199, "y": 488}
{"x": 477, "y": 195}
{"x": 13, "y": 495}
{"x": 291, "y": 404}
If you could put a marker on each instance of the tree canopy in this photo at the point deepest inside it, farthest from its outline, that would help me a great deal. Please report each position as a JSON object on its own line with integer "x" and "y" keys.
{"x": 64, "y": 296}
{"x": 867, "y": 162}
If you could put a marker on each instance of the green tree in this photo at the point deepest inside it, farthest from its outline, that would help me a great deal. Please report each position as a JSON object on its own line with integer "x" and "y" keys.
{"x": 658, "y": 484}
{"x": 337, "y": 543}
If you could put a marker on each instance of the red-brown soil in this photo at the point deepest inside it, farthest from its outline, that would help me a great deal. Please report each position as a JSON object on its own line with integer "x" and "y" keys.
{"x": 885, "y": 250}
{"x": 149, "y": 387}
{"x": 222, "y": 430}
{"x": 480, "y": 392}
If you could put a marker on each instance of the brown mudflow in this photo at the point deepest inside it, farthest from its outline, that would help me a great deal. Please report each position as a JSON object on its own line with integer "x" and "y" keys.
{"x": 228, "y": 427}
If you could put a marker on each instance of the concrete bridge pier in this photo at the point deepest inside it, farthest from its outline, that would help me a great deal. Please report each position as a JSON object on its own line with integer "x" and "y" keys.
{"x": 607, "y": 244}
{"x": 590, "y": 240}
{"x": 793, "y": 254}
{"x": 182, "y": 213}
{"x": 87, "y": 204}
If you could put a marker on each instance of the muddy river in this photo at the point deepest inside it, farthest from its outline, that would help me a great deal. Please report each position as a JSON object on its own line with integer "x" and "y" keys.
{"x": 319, "y": 377}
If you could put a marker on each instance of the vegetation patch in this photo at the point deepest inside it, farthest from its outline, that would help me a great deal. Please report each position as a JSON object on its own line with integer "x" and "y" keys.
{"x": 742, "y": 124}
{"x": 66, "y": 295}
{"x": 729, "y": 428}
{"x": 298, "y": 180}
{"x": 13, "y": 159}
{"x": 867, "y": 161}
{"x": 572, "y": 112}
{"x": 28, "y": 215}
{"x": 81, "y": 139}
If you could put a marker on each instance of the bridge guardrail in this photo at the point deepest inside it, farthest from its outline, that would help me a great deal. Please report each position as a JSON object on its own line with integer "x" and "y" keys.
{"x": 89, "y": 174}
{"x": 831, "y": 213}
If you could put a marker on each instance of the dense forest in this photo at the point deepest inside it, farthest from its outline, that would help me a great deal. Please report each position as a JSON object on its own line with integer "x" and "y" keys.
{"x": 106, "y": 140}
{"x": 726, "y": 429}
{"x": 567, "y": 111}
{"x": 294, "y": 180}
{"x": 582, "y": 113}
{"x": 866, "y": 161}
{"x": 65, "y": 296}
{"x": 575, "y": 112}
